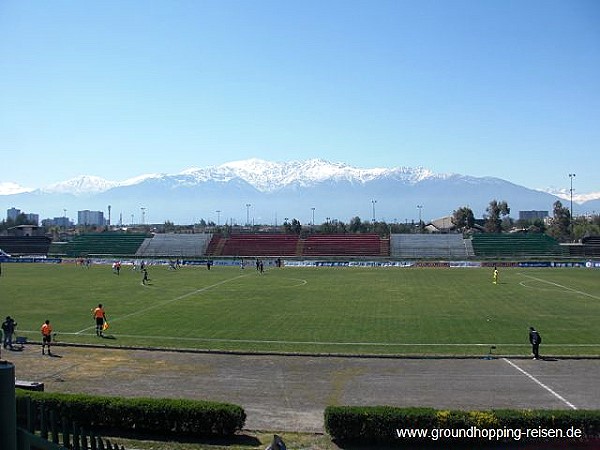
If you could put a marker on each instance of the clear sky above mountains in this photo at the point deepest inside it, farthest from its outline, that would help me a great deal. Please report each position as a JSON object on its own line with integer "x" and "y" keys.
{"x": 120, "y": 88}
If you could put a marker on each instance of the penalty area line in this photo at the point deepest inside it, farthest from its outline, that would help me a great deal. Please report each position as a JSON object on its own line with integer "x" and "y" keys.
{"x": 561, "y": 286}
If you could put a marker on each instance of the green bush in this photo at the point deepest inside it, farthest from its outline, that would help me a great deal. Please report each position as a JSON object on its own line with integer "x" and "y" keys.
{"x": 374, "y": 424}
{"x": 356, "y": 424}
{"x": 146, "y": 415}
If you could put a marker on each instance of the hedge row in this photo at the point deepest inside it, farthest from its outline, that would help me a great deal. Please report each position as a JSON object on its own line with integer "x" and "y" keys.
{"x": 145, "y": 415}
{"x": 386, "y": 424}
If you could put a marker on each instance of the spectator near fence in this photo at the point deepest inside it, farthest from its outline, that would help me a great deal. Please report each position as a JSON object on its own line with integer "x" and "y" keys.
{"x": 8, "y": 330}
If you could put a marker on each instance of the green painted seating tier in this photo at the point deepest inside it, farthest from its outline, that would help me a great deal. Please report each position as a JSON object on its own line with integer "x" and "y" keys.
{"x": 105, "y": 244}
{"x": 516, "y": 245}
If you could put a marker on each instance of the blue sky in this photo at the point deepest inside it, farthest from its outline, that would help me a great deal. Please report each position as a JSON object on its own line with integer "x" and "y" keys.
{"x": 120, "y": 88}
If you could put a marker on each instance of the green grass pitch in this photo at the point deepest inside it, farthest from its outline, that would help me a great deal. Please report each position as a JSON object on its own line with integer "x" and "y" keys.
{"x": 409, "y": 311}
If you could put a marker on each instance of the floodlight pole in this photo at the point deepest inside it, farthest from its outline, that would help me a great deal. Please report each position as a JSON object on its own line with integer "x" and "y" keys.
{"x": 248, "y": 214}
{"x": 373, "y": 202}
{"x": 420, "y": 207}
{"x": 571, "y": 176}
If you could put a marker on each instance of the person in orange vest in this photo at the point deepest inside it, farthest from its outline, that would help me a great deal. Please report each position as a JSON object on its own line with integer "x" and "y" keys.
{"x": 100, "y": 317}
{"x": 46, "y": 336}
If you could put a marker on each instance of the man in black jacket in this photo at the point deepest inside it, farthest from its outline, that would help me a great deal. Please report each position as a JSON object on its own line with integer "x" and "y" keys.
{"x": 8, "y": 328}
{"x": 535, "y": 339}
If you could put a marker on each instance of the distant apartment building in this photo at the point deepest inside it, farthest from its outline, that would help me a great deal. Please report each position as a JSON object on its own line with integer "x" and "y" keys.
{"x": 61, "y": 222}
{"x": 14, "y": 213}
{"x": 94, "y": 218}
{"x": 533, "y": 215}
{"x": 33, "y": 219}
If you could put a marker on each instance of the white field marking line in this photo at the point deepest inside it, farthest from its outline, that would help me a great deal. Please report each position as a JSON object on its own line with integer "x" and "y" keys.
{"x": 266, "y": 341}
{"x": 532, "y": 378}
{"x": 176, "y": 299}
{"x": 527, "y": 284}
{"x": 302, "y": 282}
{"x": 561, "y": 286}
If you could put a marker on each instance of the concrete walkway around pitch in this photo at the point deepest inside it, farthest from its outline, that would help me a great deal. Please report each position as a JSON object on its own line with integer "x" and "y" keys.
{"x": 290, "y": 393}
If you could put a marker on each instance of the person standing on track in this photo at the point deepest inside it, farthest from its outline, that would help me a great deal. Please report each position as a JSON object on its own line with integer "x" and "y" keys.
{"x": 535, "y": 339}
{"x": 46, "y": 331}
{"x": 8, "y": 328}
{"x": 100, "y": 318}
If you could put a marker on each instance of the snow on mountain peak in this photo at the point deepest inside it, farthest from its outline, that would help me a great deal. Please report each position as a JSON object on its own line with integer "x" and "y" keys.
{"x": 90, "y": 184}
{"x": 270, "y": 176}
{"x": 565, "y": 194}
{"x": 265, "y": 176}
{"x": 85, "y": 184}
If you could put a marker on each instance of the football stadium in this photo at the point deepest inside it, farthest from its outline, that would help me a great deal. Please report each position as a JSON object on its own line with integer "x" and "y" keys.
{"x": 343, "y": 294}
{"x": 417, "y": 313}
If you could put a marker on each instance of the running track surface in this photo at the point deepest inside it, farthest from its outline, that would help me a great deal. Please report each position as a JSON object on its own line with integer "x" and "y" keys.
{"x": 290, "y": 393}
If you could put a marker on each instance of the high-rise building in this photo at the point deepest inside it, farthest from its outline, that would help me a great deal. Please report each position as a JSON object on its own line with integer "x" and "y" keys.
{"x": 88, "y": 217}
{"x": 33, "y": 219}
{"x": 12, "y": 214}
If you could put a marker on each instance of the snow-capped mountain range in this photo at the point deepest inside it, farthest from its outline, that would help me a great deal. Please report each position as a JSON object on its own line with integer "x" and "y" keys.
{"x": 265, "y": 176}
{"x": 293, "y": 189}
